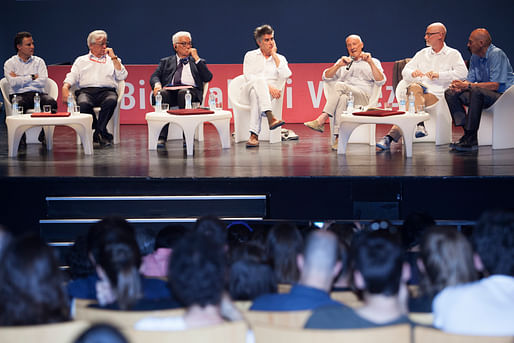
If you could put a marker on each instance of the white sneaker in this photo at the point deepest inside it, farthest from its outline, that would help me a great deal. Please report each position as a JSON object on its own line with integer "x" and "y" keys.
{"x": 384, "y": 143}
{"x": 420, "y": 131}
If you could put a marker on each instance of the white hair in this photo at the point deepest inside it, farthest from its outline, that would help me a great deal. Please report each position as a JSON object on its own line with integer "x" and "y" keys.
{"x": 93, "y": 36}
{"x": 179, "y": 34}
{"x": 355, "y": 37}
{"x": 441, "y": 25}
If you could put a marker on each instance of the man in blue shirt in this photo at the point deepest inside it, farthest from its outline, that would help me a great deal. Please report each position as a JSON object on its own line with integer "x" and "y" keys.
{"x": 490, "y": 74}
{"x": 319, "y": 265}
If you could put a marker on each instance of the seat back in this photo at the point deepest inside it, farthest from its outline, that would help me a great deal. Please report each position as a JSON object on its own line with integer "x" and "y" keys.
{"x": 4, "y": 86}
{"x": 47, "y": 333}
{"x": 289, "y": 319}
{"x": 496, "y": 122}
{"x": 397, "y": 71}
{"x": 386, "y": 334}
{"x": 429, "y": 335}
{"x": 230, "y": 332}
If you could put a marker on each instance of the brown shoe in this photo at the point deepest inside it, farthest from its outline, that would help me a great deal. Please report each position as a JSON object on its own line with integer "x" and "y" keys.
{"x": 276, "y": 123}
{"x": 313, "y": 124}
{"x": 253, "y": 141}
{"x": 336, "y": 143}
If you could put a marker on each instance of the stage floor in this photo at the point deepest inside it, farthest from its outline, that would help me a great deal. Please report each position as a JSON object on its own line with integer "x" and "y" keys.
{"x": 310, "y": 156}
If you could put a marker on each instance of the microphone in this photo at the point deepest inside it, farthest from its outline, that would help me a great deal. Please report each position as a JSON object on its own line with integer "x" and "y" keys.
{"x": 350, "y": 64}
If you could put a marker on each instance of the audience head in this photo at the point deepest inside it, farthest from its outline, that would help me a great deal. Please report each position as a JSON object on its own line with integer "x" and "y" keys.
{"x": 101, "y": 333}
{"x": 169, "y": 236}
{"x": 493, "y": 240}
{"x": 18, "y": 40}
{"x": 283, "y": 245}
{"x": 197, "y": 271}
{"x": 31, "y": 287}
{"x": 238, "y": 233}
{"x": 414, "y": 228}
{"x": 378, "y": 263}
{"x": 108, "y": 229}
{"x": 447, "y": 259}
{"x": 319, "y": 262}
{"x": 80, "y": 264}
{"x": 145, "y": 239}
{"x": 212, "y": 228}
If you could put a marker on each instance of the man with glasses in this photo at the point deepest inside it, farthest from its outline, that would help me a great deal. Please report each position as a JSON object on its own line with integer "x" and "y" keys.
{"x": 428, "y": 75}
{"x": 96, "y": 75}
{"x": 185, "y": 68}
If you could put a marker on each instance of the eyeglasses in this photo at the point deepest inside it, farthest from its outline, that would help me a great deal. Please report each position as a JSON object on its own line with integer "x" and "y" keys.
{"x": 431, "y": 33}
{"x": 185, "y": 43}
{"x": 104, "y": 43}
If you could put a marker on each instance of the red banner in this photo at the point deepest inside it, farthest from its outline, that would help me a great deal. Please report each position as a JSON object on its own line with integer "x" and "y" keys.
{"x": 303, "y": 98}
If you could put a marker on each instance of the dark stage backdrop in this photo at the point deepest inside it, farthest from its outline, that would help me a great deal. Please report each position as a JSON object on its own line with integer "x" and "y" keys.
{"x": 306, "y": 30}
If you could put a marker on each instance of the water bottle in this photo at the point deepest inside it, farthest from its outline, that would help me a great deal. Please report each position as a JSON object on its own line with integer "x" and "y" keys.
{"x": 14, "y": 105}
{"x": 188, "y": 100}
{"x": 37, "y": 103}
{"x": 158, "y": 102}
{"x": 70, "y": 103}
{"x": 212, "y": 101}
{"x": 412, "y": 102}
{"x": 349, "y": 106}
{"x": 401, "y": 104}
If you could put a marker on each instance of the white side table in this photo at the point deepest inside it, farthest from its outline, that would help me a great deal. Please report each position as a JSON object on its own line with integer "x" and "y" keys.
{"x": 17, "y": 124}
{"x": 406, "y": 122}
{"x": 220, "y": 119}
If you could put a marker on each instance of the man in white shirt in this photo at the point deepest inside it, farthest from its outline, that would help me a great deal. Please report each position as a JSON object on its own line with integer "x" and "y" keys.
{"x": 96, "y": 75}
{"x": 360, "y": 73}
{"x": 264, "y": 70}
{"x": 428, "y": 75}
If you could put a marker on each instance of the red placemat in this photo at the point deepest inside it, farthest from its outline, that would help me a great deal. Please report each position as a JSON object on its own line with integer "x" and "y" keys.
{"x": 190, "y": 111}
{"x": 47, "y": 114}
{"x": 378, "y": 113}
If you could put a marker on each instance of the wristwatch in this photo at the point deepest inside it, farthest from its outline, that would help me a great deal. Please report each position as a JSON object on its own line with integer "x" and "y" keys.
{"x": 469, "y": 85}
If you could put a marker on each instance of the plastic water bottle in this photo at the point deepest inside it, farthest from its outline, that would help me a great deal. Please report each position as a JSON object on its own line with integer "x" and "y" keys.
{"x": 212, "y": 101}
{"x": 70, "y": 103}
{"x": 37, "y": 103}
{"x": 412, "y": 106}
{"x": 14, "y": 105}
{"x": 401, "y": 104}
{"x": 349, "y": 106}
{"x": 188, "y": 101}
{"x": 158, "y": 102}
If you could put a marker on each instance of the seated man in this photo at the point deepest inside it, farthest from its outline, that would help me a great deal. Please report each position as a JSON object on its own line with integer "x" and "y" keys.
{"x": 185, "y": 68}
{"x": 264, "y": 70}
{"x": 27, "y": 75}
{"x": 484, "y": 307}
{"x": 318, "y": 265}
{"x": 379, "y": 271}
{"x": 96, "y": 75}
{"x": 360, "y": 73}
{"x": 490, "y": 74}
{"x": 428, "y": 75}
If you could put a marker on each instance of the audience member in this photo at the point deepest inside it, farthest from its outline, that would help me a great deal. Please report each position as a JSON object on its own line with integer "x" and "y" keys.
{"x": 283, "y": 245}
{"x": 101, "y": 333}
{"x": 78, "y": 260}
{"x": 380, "y": 272}
{"x": 238, "y": 233}
{"x": 156, "y": 264}
{"x": 198, "y": 276}
{"x": 318, "y": 265}
{"x": 213, "y": 228}
{"x": 145, "y": 238}
{"x": 484, "y": 307}
{"x": 446, "y": 259}
{"x": 31, "y": 287}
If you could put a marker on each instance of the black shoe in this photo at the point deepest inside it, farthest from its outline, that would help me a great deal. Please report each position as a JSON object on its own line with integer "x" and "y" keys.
{"x": 41, "y": 138}
{"x": 101, "y": 140}
{"x": 108, "y": 136}
{"x": 468, "y": 144}
{"x": 453, "y": 145}
{"x": 23, "y": 142}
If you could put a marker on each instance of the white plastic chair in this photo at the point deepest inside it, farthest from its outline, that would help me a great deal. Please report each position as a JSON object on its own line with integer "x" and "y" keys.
{"x": 51, "y": 89}
{"x": 364, "y": 133}
{"x": 113, "y": 126}
{"x": 497, "y": 122}
{"x": 241, "y": 107}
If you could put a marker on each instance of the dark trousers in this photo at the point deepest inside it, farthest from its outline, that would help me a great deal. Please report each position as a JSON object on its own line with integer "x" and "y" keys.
{"x": 177, "y": 98}
{"x": 27, "y": 100}
{"x": 476, "y": 99}
{"x": 105, "y": 98}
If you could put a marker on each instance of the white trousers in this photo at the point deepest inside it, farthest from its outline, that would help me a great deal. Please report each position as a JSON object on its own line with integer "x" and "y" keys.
{"x": 260, "y": 102}
{"x": 337, "y": 98}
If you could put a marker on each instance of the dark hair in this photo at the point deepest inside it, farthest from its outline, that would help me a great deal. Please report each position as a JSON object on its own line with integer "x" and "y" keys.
{"x": 283, "y": 245}
{"x": 261, "y": 31}
{"x": 101, "y": 333}
{"x": 414, "y": 228}
{"x": 238, "y": 233}
{"x": 107, "y": 229}
{"x": 169, "y": 236}
{"x": 120, "y": 260}
{"x": 80, "y": 264}
{"x": 212, "y": 228}
{"x": 197, "y": 271}
{"x": 145, "y": 239}
{"x": 249, "y": 279}
{"x": 379, "y": 259}
{"x": 251, "y": 251}
{"x": 32, "y": 287}
{"x": 448, "y": 259}
{"x": 18, "y": 39}
{"x": 493, "y": 240}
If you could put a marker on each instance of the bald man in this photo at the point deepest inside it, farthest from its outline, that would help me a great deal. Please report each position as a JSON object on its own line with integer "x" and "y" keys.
{"x": 490, "y": 74}
{"x": 356, "y": 73}
{"x": 428, "y": 75}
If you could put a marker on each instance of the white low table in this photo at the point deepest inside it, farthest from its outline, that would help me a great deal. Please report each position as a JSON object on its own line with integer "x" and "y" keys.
{"x": 220, "y": 119}
{"x": 406, "y": 122}
{"x": 17, "y": 124}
